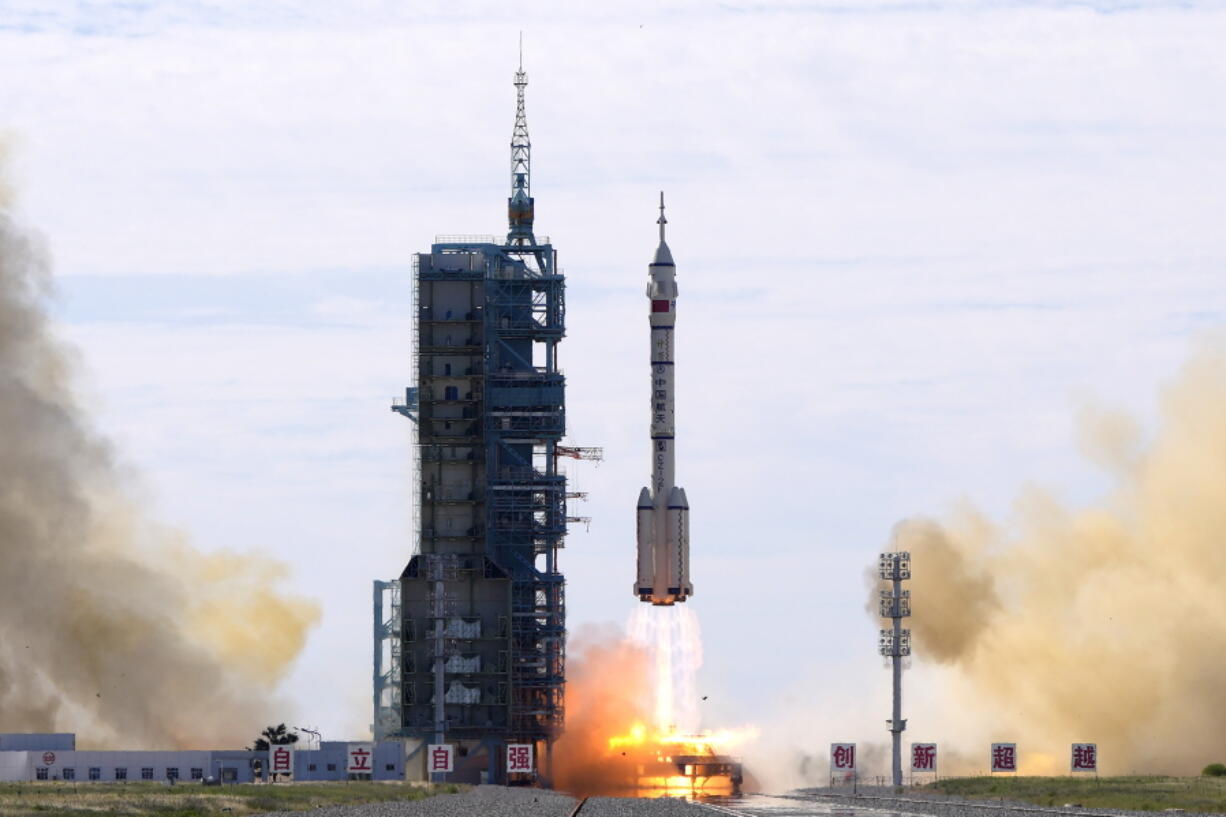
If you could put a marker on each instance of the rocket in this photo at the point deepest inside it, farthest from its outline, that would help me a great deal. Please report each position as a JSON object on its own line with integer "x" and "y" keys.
{"x": 663, "y": 513}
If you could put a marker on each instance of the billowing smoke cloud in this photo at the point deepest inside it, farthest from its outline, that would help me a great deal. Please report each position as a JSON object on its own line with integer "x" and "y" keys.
{"x": 607, "y": 692}
{"x": 1102, "y": 624}
{"x": 112, "y": 626}
{"x": 631, "y": 708}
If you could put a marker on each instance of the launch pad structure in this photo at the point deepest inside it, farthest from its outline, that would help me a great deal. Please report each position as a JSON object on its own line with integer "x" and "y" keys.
{"x": 469, "y": 641}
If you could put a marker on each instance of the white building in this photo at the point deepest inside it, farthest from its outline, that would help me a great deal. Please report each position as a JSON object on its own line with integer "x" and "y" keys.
{"x": 30, "y": 757}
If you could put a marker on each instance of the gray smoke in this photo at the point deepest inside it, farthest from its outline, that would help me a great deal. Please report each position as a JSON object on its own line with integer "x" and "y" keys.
{"x": 111, "y": 626}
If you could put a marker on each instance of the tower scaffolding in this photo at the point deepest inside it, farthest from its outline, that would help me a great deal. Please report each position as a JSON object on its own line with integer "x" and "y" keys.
{"x": 482, "y": 618}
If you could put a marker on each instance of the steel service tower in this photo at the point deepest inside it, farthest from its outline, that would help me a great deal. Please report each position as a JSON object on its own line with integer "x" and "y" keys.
{"x": 663, "y": 515}
{"x": 470, "y": 639}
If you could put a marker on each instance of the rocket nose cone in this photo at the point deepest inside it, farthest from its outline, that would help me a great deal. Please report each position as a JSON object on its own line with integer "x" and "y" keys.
{"x": 645, "y": 498}
{"x": 685, "y": 500}
{"x": 663, "y": 255}
{"x": 676, "y": 499}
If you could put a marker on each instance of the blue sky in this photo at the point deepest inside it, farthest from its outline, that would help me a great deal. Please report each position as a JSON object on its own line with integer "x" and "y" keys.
{"x": 913, "y": 239}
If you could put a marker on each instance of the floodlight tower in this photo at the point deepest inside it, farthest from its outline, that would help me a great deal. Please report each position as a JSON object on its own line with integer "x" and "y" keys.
{"x": 895, "y": 567}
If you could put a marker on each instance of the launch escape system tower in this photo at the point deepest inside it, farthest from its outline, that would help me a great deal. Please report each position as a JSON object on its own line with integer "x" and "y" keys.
{"x": 470, "y": 640}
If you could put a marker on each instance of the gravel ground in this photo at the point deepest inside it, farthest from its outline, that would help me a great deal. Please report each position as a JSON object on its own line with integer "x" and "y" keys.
{"x": 943, "y": 805}
{"x": 639, "y": 807}
{"x": 481, "y": 801}
{"x": 496, "y": 801}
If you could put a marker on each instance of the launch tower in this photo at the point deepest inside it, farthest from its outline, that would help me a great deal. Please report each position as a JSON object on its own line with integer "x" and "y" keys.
{"x": 470, "y": 640}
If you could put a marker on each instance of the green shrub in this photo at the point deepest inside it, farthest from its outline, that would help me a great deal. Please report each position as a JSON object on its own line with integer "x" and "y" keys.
{"x": 265, "y": 803}
{"x": 1214, "y": 770}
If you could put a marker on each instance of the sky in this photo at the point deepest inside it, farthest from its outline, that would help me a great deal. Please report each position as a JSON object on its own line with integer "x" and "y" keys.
{"x": 914, "y": 240}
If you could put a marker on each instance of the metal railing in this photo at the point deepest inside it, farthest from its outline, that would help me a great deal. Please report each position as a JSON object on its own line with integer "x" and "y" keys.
{"x": 467, "y": 239}
{"x": 482, "y": 239}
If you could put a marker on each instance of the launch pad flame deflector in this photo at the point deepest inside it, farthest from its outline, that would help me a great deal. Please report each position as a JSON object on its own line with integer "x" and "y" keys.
{"x": 663, "y": 513}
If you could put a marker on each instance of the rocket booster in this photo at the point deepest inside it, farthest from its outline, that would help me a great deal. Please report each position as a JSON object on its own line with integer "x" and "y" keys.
{"x": 663, "y": 513}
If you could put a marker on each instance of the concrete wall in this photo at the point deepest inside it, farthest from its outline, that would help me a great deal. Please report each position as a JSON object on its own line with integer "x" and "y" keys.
{"x": 15, "y": 767}
{"x": 37, "y": 741}
{"x": 475, "y": 761}
{"x": 157, "y": 766}
{"x": 326, "y": 763}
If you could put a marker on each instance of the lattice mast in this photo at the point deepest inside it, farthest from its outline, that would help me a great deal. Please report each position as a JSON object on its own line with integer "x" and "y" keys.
{"x": 520, "y": 205}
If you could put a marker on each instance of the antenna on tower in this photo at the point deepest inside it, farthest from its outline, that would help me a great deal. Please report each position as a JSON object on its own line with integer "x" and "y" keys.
{"x": 520, "y": 205}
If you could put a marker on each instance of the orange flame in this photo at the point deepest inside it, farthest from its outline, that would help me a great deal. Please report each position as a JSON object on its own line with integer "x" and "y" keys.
{"x": 720, "y": 742}
{"x": 610, "y": 746}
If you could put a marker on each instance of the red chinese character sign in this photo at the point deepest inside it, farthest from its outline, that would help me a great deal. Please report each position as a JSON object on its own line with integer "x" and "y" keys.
{"x": 923, "y": 757}
{"x": 519, "y": 758}
{"x": 1085, "y": 757}
{"x": 281, "y": 761}
{"x": 360, "y": 758}
{"x": 1004, "y": 757}
{"x": 842, "y": 757}
{"x": 48, "y": 758}
{"x": 440, "y": 758}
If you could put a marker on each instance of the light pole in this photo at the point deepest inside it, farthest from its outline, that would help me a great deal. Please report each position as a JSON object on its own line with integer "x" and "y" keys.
{"x": 895, "y": 567}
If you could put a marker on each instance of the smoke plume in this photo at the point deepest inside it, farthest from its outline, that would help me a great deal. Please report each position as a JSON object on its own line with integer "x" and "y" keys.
{"x": 632, "y": 711}
{"x": 113, "y": 626}
{"x": 1103, "y": 624}
{"x": 607, "y": 693}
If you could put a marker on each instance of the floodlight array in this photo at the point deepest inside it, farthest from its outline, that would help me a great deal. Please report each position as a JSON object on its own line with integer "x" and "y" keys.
{"x": 892, "y": 606}
{"x": 889, "y": 646}
{"x": 894, "y": 566}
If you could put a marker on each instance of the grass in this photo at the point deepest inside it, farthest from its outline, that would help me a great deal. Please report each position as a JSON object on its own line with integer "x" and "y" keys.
{"x": 1203, "y": 794}
{"x": 193, "y": 800}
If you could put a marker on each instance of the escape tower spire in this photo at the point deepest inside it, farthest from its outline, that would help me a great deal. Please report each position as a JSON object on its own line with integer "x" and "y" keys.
{"x": 519, "y": 206}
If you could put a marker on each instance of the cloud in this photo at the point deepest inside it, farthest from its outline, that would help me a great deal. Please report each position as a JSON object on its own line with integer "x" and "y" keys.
{"x": 910, "y": 238}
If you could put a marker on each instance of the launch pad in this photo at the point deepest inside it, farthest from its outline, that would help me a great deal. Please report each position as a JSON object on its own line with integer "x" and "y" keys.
{"x": 674, "y": 765}
{"x": 692, "y": 775}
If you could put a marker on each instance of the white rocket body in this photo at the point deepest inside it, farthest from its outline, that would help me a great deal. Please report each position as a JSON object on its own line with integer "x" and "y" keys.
{"x": 663, "y": 513}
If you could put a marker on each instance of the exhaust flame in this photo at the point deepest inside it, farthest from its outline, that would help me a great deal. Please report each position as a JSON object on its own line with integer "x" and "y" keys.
{"x": 671, "y": 764}
{"x": 633, "y": 725}
{"x": 113, "y": 626}
{"x": 673, "y": 641}
{"x": 1103, "y": 624}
